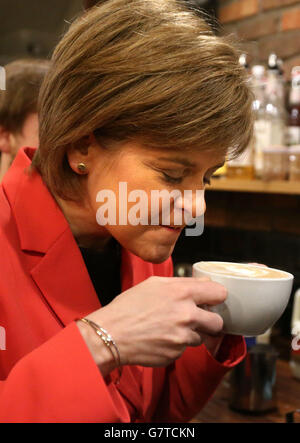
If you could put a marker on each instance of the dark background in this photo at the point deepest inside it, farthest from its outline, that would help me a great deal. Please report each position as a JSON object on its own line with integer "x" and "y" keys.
{"x": 34, "y": 27}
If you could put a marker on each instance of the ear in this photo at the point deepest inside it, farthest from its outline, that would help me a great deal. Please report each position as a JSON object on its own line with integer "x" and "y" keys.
{"x": 79, "y": 153}
{"x": 5, "y": 140}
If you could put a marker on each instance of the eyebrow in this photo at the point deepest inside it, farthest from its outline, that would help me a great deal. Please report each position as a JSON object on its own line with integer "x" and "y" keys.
{"x": 185, "y": 162}
{"x": 182, "y": 161}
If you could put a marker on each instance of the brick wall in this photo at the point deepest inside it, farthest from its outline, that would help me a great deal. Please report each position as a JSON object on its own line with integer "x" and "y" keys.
{"x": 264, "y": 26}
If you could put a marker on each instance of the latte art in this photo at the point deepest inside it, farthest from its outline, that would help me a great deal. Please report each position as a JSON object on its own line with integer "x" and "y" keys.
{"x": 241, "y": 270}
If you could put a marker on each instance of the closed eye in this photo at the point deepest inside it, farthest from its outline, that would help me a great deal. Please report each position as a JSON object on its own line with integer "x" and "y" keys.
{"x": 171, "y": 179}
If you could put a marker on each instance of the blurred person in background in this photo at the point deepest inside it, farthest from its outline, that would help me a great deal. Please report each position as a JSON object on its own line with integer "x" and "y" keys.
{"x": 18, "y": 108}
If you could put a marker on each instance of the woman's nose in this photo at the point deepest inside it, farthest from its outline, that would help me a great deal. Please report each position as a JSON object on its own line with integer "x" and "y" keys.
{"x": 192, "y": 205}
{"x": 198, "y": 203}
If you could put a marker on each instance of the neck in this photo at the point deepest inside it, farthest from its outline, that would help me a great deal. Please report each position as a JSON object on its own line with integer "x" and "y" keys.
{"x": 83, "y": 224}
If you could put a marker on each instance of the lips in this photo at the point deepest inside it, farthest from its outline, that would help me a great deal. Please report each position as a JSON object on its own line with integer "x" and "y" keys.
{"x": 173, "y": 228}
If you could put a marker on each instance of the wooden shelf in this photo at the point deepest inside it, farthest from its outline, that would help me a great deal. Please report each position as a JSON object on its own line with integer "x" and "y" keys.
{"x": 238, "y": 185}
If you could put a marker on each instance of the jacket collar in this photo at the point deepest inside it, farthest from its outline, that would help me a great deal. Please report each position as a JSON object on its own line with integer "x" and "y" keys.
{"x": 58, "y": 270}
{"x": 38, "y": 218}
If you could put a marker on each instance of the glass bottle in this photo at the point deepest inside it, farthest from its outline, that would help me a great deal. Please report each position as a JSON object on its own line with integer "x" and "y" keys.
{"x": 275, "y": 157}
{"x": 262, "y": 123}
{"x": 293, "y": 130}
{"x": 271, "y": 154}
{"x": 242, "y": 166}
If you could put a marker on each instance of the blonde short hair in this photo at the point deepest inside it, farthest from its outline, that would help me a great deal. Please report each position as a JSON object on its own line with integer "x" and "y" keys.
{"x": 151, "y": 69}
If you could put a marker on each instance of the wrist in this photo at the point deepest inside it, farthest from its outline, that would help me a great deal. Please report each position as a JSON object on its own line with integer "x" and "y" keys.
{"x": 99, "y": 351}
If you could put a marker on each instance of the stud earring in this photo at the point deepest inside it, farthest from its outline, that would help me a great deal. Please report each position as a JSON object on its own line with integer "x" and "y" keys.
{"x": 81, "y": 167}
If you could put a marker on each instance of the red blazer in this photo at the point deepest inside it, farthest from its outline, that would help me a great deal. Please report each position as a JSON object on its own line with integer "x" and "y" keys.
{"x": 47, "y": 373}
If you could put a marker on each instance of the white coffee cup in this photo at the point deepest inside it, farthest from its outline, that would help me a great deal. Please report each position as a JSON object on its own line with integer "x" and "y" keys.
{"x": 256, "y": 299}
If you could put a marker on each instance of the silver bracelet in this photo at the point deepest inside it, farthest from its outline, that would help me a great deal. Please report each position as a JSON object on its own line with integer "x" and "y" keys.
{"x": 109, "y": 342}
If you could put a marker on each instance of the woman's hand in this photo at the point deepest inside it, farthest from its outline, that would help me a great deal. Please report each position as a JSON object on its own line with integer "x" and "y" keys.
{"x": 153, "y": 322}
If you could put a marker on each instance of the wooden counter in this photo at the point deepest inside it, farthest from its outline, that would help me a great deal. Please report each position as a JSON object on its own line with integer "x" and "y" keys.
{"x": 288, "y": 396}
{"x": 253, "y": 205}
{"x": 257, "y": 186}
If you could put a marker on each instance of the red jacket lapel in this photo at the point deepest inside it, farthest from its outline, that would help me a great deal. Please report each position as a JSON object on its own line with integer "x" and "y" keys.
{"x": 60, "y": 272}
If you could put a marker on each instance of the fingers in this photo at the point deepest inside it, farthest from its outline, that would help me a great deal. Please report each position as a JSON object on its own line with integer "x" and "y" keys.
{"x": 212, "y": 342}
{"x": 210, "y": 293}
{"x": 189, "y": 294}
{"x": 195, "y": 339}
{"x": 208, "y": 322}
{"x": 202, "y": 290}
{"x": 189, "y": 279}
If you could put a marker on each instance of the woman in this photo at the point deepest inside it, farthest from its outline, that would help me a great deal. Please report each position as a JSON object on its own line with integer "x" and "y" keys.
{"x": 139, "y": 92}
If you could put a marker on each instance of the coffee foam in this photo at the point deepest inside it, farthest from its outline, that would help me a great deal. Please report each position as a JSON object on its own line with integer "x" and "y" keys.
{"x": 241, "y": 270}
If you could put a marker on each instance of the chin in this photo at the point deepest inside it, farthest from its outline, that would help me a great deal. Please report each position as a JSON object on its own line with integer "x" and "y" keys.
{"x": 155, "y": 255}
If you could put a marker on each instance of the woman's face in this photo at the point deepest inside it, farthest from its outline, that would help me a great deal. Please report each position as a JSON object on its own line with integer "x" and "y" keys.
{"x": 143, "y": 169}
